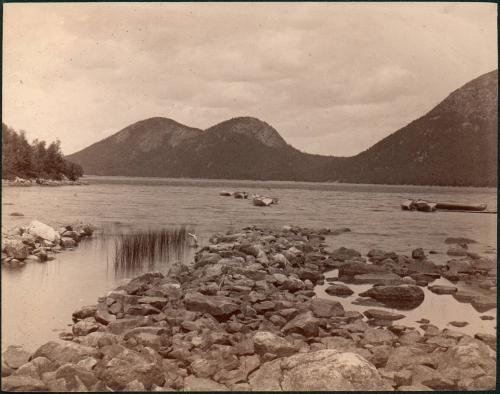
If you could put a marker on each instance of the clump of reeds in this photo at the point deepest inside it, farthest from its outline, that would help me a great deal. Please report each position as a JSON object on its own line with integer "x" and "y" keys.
{"x": 149, "y": 250}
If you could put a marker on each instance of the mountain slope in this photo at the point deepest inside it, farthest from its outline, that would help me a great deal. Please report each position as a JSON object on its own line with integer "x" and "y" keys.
{"x": 454, "y": 144}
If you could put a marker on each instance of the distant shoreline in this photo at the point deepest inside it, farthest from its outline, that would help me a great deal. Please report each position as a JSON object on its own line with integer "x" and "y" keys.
{"x": 19, "y": 182}
{"x": 270, "y": 181}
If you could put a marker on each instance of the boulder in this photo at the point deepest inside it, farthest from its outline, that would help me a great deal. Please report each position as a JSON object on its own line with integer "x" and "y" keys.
{"x": 16, "y": 249}
{"x": 67, "y": 242}
{"x": 192, "y": 383}
{"x": 357, "y": 268}
{"x": 484, "y": 303}
{"x": 326, "y": 308}
{"x": 267, "y": 342}
{"x": 323, "y": 370}
{"x": 377, "y": 336}
{"x": 70, "y": 373}
{"x": 217, "y": 306}
{"x": 403, "y": 297}
{"x": 36, "y": 368}
{"x": 456, "y": 251}
{"x": 343, "y": 254}
{"x": 459, "y": 266}
{"x": 305, "y": 324}
{"x": 84, "y": 327}
{"x": 418, "y": 254}
{"x": 23, "y": 383}
{"x": 382, "y": 314}
{"x": 469, "y": 359}
{"x": 386, "y": 279}
{"x": 129, "y": 365}
{"x": 15, "y": 356}
{"x": 293, "y": 284}
{"x": 442, "y": 289}
{"x": 64, "y": 353}
{"x": 84, "y": 312}
{"x": 43, "y": 231}
{"x": 338, "y": 290}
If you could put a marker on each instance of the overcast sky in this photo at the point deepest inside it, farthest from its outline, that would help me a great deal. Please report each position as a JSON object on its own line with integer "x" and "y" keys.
{"x": 331, "y": 78}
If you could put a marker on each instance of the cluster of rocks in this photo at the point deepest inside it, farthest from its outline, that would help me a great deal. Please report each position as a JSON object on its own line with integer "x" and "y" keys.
{"x": 399, "y": 277}
{"x": 244, "y": 317}
{"x": 41, "y": 182}
{"x": 35, "y": 242}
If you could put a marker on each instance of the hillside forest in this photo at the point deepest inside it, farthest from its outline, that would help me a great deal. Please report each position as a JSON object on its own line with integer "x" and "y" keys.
{"x": 36, "y": 160}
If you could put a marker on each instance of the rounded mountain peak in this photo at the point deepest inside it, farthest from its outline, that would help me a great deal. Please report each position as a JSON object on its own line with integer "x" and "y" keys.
{"x": 251, "y": 127}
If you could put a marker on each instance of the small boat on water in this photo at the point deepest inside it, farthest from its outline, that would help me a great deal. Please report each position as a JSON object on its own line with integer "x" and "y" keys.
{"x": 460, "y": 207}
{"x": 241, "y": 195}
{"x": 262, "y": 201}
{"x": 426, "y": 206}
{"x": 418, "y": 205}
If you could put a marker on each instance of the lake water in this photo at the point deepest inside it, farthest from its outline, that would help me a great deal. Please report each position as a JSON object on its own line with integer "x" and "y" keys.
{"x": 38, "y": 299}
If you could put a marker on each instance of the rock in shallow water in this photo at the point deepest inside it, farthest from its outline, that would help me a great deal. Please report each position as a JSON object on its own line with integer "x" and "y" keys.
{"x": 338, "y": 290}
{"x": 443, "y": 289}
{"x": 403, "y": 297}
{"x": 382, "y": 314}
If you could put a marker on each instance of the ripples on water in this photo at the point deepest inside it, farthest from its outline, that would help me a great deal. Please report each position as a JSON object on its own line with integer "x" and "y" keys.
{"x": 39, "y": 298}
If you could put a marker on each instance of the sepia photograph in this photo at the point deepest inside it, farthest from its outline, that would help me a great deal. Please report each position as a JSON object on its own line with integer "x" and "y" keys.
{"x": 249, "y": 196}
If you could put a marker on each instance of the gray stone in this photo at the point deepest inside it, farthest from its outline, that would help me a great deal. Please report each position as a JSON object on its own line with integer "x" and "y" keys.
{"x": 404, "y": 296}
{"x": 343, "y": 254}
{"x": 326, "y": 308}
{"x": 15, "y": 356}
{"x": 23, "y": 383}
{"x": 338, "y": 290}
{"x": 267, "y": 342}
{"x": 442, "y": 289}
{"x": 382, "y": 314}
{"x": 323, "y": 370}
{"x": 217, "y": 306}
{"x": 305, "y": 324}
{"x": 192, "y": 383}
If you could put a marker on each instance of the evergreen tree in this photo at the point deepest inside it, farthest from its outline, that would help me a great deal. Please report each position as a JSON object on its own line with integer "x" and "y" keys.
{"x": 20, "y": 159}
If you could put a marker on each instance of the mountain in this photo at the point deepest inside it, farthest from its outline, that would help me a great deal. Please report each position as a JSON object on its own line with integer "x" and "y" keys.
{"x": 456, "y": 143}
{"x": 453, "y": 144}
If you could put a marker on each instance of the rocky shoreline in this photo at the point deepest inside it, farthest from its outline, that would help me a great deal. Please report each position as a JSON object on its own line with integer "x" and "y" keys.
{"x": 41, "y": 182}
{"x": 37, "y": 242}
{"x": 244, "y": 316}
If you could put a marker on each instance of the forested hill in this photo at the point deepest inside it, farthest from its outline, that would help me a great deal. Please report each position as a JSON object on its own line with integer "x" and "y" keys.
{"x": 35, "y": 160}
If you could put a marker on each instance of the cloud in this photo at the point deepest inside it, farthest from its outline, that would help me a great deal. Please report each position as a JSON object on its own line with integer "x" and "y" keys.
{"x": 332, "y": 78}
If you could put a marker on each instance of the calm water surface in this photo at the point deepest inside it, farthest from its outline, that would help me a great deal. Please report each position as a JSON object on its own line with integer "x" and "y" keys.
{"x": 38, "y": 299}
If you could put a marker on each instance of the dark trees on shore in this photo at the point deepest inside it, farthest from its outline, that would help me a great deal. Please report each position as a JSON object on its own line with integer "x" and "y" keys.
{"x": 35, "y": 160}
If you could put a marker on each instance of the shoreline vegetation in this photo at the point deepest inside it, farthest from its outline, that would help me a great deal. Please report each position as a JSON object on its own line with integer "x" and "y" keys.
{"x": 244, "y": 316}
{"x": 36, "y": 163}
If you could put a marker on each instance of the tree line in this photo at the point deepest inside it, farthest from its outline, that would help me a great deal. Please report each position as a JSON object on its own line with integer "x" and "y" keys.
{"x": 35, "y": 160}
